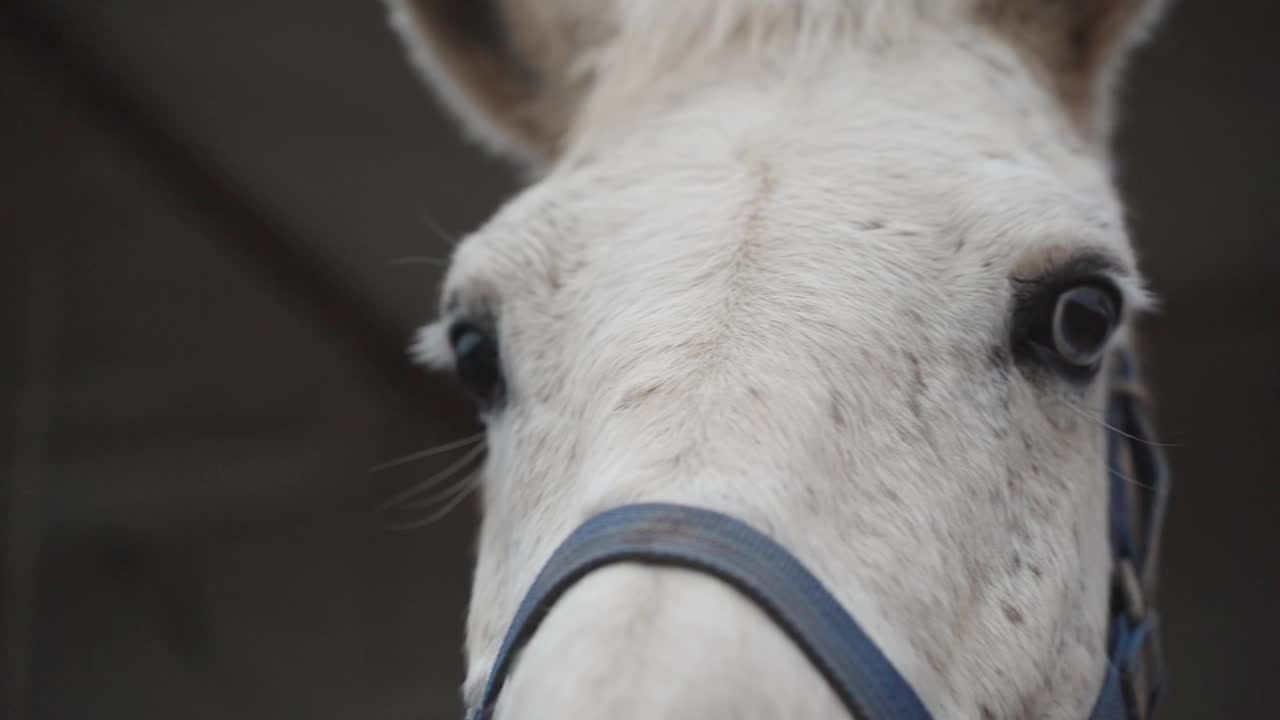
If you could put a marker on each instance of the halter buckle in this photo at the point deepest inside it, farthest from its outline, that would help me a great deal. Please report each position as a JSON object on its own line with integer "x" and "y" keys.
{"x": 1143, "y": 675}
{"x": 1129, "y": 586}
{"x": 1137, "y": 651}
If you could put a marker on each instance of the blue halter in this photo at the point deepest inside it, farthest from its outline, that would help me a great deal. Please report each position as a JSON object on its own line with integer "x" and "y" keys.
{"x": 864, "y": 679}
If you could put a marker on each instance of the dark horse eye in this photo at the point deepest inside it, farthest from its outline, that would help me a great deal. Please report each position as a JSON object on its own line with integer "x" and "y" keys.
{"x": 1071, "y": 328}
{"x": 476, "y": 359}
{"x": 1083, "y": 318}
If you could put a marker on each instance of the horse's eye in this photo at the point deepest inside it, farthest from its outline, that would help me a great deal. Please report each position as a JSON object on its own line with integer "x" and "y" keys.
{"x": 476, "y": 359}
{"x": 1083, "y": 319}
{"x": 1073, "y": 331}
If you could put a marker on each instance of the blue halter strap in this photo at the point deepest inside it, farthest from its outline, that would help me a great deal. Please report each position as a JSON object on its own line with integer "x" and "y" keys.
{"x": 865, "y": 681}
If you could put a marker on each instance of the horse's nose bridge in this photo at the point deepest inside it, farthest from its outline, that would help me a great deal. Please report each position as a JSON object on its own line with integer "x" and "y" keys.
{"x": 701, "y": 412}
{"x": 740, "y": 444}
{"x": 692, "y": 644}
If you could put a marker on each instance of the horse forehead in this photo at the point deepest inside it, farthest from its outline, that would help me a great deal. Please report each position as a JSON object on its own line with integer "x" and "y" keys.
{"x": 808, "y": 167}
{"x": 928, "y": 207}
{"x": 936, "y": 155}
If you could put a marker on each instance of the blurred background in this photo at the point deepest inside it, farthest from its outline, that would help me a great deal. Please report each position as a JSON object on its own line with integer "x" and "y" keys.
{"x": 220, "y": 225}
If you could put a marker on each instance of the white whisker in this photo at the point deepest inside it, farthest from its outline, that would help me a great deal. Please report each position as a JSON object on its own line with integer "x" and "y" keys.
{"x": 443, "y": 495}
{"x": 420, "y": 260}
{"x": 439, "y": 231}
{"x": 443, "y": 475}
{"x": 429, "y": 452}
{"x": 1131, "y": 481}
{"x": 458, "y": 494}
{"x": 1082, "y": 412}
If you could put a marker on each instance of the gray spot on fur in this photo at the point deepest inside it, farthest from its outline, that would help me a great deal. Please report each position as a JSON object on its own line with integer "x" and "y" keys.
{"x": 917, "y": 387}
{"x": 837, "y": 415}
{"x": 999, "y": 357}
{"x": 998, "y": 64}
{"x": 636, "y": 396}
{"x": 810, "y": 499}
{"x": 1013, "y": 614}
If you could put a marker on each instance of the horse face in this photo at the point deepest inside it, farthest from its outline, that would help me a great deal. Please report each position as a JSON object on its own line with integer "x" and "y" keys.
{"x": 846, "y": 271}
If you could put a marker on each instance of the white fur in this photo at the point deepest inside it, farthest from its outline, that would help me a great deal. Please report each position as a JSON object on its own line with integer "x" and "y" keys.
{"x": 774, "y": 279}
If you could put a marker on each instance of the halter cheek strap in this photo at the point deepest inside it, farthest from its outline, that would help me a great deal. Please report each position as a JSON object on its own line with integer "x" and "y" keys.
{"x": 1139, "y": 480}
{"x": 865, "y": 681}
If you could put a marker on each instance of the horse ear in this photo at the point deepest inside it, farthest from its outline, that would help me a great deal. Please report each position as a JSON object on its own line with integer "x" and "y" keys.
{"x": 509, "y": 69}
{"x": 1081, "y": 44}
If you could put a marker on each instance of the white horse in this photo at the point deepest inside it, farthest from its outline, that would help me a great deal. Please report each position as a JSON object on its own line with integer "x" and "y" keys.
{"x": 847, "y": 270}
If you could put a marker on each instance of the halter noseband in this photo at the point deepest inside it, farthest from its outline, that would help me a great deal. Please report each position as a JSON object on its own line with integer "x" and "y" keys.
{"x": 866, "y": 682}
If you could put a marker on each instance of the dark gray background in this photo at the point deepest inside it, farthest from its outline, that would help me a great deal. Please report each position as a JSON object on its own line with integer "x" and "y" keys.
{"x": 200, "y": 206}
